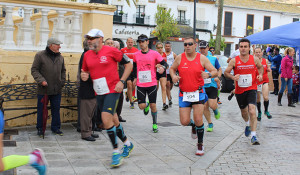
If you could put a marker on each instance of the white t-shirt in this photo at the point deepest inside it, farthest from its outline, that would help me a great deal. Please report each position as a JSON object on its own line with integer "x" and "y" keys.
{"x": 235, "y": 53}
{"x": 170, "y": 61}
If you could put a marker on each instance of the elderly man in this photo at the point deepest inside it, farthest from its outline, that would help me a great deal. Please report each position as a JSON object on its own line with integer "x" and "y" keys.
{"x": 48, "y": 70}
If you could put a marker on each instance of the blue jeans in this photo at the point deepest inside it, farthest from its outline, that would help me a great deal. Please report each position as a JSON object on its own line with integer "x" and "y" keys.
{"x": 55, "y": 111}
{"x": 289, "y": 84}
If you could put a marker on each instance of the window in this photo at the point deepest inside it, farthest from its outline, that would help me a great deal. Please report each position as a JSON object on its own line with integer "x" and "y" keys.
{"x": 152, "y": 1}
{"x": 227, "y": 49}
{"x": 181, "y": 17}
{"x": 228, "y": 24}
{"x": 3, "y": 14}
{"x": 295, "y": 19}
{"x": 249, "y": 26}
{"x": 140, "y": 14}
{"x": 119, "y": 9}
{"x": 267, "y": 22}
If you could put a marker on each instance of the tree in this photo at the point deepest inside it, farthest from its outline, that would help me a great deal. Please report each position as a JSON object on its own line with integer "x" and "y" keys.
{"x": 219, "y": 26}
{"x": 166, "y": 24}
{"x": 212, "y": 43}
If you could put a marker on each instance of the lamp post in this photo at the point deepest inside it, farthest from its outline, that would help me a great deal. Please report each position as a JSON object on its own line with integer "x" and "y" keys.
{"x": 194, "y": 29}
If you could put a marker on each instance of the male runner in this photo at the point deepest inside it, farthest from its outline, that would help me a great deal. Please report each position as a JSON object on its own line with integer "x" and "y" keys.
{"x": 145, "y": 64}
{"x": 100, "y": 63}
{"x": 191, "y": 66}
{"x": 170, "y": 60}
{"x": 129, "y": 51}
{"x": 245, "y": 67}
{"x": 210, "y": 86}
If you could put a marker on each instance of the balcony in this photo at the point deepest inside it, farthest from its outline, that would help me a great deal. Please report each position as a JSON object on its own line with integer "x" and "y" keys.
{"x": 202, "y": 24}
{"x": 120, "y": 18}
{"x": 142, "y": 20}
{"x": 183, "y": 21}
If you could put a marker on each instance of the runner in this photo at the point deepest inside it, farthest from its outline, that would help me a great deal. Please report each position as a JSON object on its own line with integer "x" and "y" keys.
{"x": 36, "y": 159}
{"x": 100, "y": 63}
{"x": 191, "y": 66}
{"x": 245, "y": 67}
{"x": 170, "y": 60}
{"x": 129, "y": 51}
{"x": 145, "y": 64}
{"x": 263, "y": 86}
{"x": 210, "y": 86}
{"x": 212, "y": 51}
{"x": 162, "y": 78}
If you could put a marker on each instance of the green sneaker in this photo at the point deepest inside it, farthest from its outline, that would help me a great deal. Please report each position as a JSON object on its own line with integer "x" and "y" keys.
{"x": 155, "y": 128}
{"x": 268, "y": 114}
{"x": 131, "y": 105}
{"x": 146, "y": 110}
{"x": 217, "y": 114}
{"x": 259, "y": 116}
{"x": 210, "y": 127}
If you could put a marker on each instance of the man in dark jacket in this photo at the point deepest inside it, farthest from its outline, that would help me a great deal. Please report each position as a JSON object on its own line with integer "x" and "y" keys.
{"x": 275, "y": 64}
{"x": 48, "y": 70}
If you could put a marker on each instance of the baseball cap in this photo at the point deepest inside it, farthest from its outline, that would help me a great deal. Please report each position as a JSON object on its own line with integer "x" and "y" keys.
{"x": 53, "y": 41}
{"x": 203, "y": 44}
{"x": 94, "y": 33}
{"x": 142, "y": 37}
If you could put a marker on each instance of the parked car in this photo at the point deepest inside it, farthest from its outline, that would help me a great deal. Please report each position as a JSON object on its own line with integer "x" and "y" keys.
{"x": 227, "y": 85}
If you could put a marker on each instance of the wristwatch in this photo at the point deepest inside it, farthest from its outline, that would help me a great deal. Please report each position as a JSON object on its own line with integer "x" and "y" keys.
{"x": 209, "y": 74}
{"x": 123, "y": 81}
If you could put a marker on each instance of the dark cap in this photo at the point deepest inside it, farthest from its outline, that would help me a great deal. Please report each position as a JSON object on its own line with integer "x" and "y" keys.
{"x": 53, "y": 41}
{"x": 142, "y": 37}
{"x": 203, "y": 44}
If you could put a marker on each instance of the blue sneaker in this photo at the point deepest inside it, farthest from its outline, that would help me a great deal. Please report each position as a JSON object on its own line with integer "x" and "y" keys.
{"x": 116, "y": 160}
{"x": 247, "y": 131}
{"x": 127, "y": 150}
{"x": 40, "y": 164}
{"x": 254, "y": 141}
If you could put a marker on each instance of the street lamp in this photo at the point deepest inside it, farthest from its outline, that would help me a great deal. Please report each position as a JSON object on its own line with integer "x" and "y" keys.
{"x": 194, "y": 29}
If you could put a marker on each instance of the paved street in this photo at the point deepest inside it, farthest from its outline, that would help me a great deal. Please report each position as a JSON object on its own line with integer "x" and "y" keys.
{"x": 172, "y": 150}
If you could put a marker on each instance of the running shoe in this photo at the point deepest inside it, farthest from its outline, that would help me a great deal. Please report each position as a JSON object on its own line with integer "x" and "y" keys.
{"x": 268, "y": 114}
{"x": 127, "y": 150}
{"x": 40, "y": 164}
{"x": 210, "y": 127}
{"x": 217, "y": 114}
{"x": 146, "y": 110}
{"x": 165, "y": 106}
{"x": 131, "y": 105}
{"x": 219, "y": 102}
{"x": 170, "y": 103}
{"x": 134, "y": 99}
{"x": 230, "y": 96}
{"x": 117, "y": 160}
{"x": 194, "y": 133}
{"x": 254, "y": 140}
{"x": 259, "y": 116}
{"x": 155, "y": 128}
{"x": 247, "y": 131}
{"x": 200, "y": 149}
{"x": 127, "y": 98}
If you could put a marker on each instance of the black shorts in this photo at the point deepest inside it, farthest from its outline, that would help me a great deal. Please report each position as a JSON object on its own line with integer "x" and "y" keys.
{"x": 108, "y": 102}
{"x": 211, "y": 92}
{"x": 169, "y": 78}
{"x": 246, "y": 98}
{"x": 163, "y": 75}
{"x": 142, "y": 91}
{"x": 130, "y": 77}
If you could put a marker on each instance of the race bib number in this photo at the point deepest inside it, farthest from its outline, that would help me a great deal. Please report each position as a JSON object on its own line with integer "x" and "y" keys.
{"x": 245, "y": 80}
{"x": 100, "y": 86}
{"x": 191, "y": 96}
{"x": 145, "y": 76}
{"x": 259, "y": 88}
{"x": 207, "y": 80}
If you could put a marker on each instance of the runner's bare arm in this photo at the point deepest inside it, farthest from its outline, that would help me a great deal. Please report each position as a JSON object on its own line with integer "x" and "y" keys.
{"x": 208, "y": 66}
{"x": 229, "y": 69}
{"x": 260, "y": 68}
{"x": 173, "y": 69}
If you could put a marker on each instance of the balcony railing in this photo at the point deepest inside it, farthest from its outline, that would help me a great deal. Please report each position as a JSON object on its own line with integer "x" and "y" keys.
{"x": 121, "y": 18}
{"x": 202, "y": 24}
{"x": 183, "y": 21}
{"x": 141, "y": 20}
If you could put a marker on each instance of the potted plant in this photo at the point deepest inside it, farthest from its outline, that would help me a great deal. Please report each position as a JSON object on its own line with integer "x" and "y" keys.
{"x": 121, "y": 13}
{"x": 143, "y": 14}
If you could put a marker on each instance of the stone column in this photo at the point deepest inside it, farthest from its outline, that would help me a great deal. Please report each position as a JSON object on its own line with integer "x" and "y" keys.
{"x": 27, "y": 30}
{"x": 8, "y": 28}
{"x": 76, "y": 32}
{"x": 44, "y": 29}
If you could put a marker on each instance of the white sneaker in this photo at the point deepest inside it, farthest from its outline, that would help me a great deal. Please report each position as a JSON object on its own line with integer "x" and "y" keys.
{"x": 200, "y": 150}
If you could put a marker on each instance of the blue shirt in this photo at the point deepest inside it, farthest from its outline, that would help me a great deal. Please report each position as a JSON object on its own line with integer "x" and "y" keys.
{"x": 275, "y": 62}
{"x": 214, "y": 61}
{"x": 1, "y": 121}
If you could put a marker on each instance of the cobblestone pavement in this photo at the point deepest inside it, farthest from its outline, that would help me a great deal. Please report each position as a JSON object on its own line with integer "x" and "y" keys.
{"x": 172, "y": 150}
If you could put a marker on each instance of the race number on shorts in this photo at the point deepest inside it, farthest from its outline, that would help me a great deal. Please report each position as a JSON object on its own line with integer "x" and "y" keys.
{"x": 191, "y": 96}
{"x": 100, "y": 86}
{"x": 145, "y": 76}
{"x": 245, "y": 80}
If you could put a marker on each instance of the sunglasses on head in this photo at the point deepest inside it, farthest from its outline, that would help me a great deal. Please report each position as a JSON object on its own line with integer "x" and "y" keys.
{"x": 190, "y": 44}
{"x": 91, "y": 38}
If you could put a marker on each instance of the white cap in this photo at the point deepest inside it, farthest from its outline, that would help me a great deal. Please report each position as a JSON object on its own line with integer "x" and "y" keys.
{"x": 94, "y": 33}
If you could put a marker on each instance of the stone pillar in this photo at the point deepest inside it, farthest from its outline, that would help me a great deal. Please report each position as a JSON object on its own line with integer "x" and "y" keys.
{"x": 76, "y": 32}
{"x": 60, "y": 28}
{"x": 8, "y": 28}
{"x": 27, "y": 30}
{"x": 44, "y": 29}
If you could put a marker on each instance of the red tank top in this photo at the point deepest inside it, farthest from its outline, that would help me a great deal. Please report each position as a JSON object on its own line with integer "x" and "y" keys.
{"x": 190, "y": 73}
{"x": 265, "y": 74}
{"x": 247, "y": 71}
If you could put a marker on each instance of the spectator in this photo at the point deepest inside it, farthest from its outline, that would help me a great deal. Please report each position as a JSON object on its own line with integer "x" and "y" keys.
{"x": 296, "y": 79}
{"x": 48, "y": 70}
{"x": 275, "y": 64}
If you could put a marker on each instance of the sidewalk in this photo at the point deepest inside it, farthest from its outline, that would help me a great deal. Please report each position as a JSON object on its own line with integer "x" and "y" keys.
{"x": 171, "y": 150}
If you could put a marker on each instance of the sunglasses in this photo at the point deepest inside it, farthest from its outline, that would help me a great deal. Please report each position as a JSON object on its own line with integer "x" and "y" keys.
{"x": 91, "y": 38}
{"x": 212, "y": 50}
{"x": 190, "y": 44}
{"x": 159, "y": 47}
